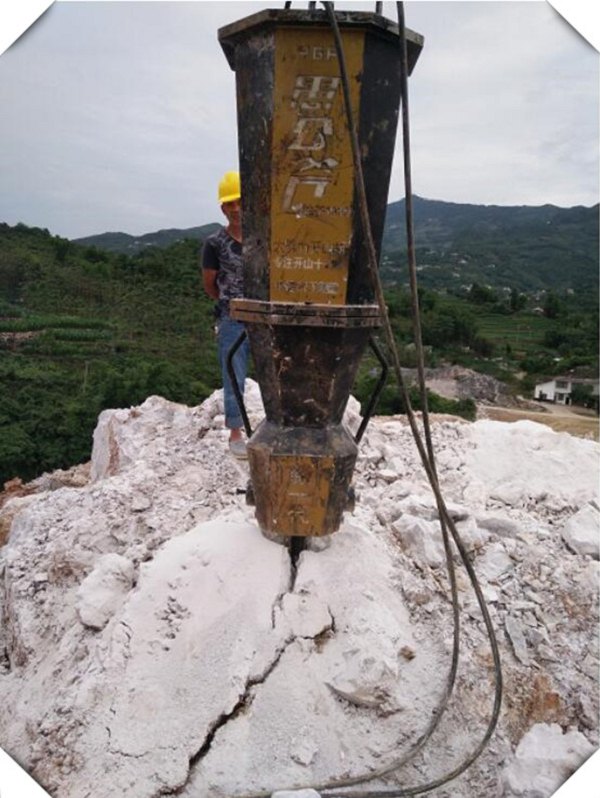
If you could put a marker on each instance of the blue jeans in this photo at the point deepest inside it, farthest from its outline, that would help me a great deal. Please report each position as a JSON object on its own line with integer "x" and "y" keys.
{"x": 228, "y": 331}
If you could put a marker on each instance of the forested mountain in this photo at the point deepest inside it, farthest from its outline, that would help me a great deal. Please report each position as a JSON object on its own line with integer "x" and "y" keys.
{"x": 526, "y": 248}
{"x": 131, "y": 245}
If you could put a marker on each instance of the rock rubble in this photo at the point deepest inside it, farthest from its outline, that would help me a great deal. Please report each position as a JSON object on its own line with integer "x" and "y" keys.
{"x": 154, "y": 643}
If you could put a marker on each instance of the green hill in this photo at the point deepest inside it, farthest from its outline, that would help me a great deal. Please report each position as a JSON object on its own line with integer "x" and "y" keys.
{"x": 530, "y": 249}
{"x": 83, "y": 328}
{"x": 132, "y": 245}
{"x": 526, "y": 248}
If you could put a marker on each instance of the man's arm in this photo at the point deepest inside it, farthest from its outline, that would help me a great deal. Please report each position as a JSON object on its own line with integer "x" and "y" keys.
{"x": 209, "y": 280}
{"x": 210, "y": 268}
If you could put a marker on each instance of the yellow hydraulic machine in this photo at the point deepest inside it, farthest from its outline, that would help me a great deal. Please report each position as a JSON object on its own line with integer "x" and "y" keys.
{"x": 309, "y": 305}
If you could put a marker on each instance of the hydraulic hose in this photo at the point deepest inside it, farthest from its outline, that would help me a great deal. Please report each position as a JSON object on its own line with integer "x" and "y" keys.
{"x": 425, "y": 453}
{"x": 331, "y": 788}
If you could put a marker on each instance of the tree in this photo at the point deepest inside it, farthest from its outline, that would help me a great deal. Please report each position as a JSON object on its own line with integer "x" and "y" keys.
{"x": 481, "y": 294}
{"x": 449, "y": 325}
{"x": 61, "y": 248}
{"x": 517, "y": 300}
{"x": 582, "y": 395}
{"x": 552, "y": 306}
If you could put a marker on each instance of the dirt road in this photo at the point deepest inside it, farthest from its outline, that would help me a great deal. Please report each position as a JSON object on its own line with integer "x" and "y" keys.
{"x": 575, "y": 421}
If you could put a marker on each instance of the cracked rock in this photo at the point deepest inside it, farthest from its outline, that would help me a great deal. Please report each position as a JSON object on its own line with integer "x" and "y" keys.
{"x": 210, "y": 672}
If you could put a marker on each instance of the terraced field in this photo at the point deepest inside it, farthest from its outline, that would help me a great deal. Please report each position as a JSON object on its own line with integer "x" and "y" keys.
{"x": 523, "y": 333}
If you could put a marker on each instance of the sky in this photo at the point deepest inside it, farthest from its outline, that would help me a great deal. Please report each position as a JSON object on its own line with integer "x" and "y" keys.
{"x": 121, "y": 116}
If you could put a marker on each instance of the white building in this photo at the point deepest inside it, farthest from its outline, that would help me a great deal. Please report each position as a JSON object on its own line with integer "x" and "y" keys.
{"x": 559, "y": 389}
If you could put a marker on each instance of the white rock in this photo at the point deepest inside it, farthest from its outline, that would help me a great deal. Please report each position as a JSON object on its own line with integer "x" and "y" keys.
{"x": 10, "y": 511}
{"x": 361, "y": 677}
{"x": 352, "y": 417}
{"x": 418, "y": 505}
{"x": 296, "y": 794}
{"x": 544, "y": 759}
{"x": 516, "y": 634}
{"x": 387, "y": 475}
{"x": 523, "y": 461}
{"x": 499, "y": 526}
{"x": 471, "y": 535}
{"x": 103, "y": 591}
{"x": 140, "y": 502}
{"x": 581, "y": 532}
{"x": 421, "y": 539}
{"x": 213, "y": 659}
{"x": 397, "y": 464}
{"x": 106, "y": 455}
{"x": 304, "y": 748}
{"x": 305, "y": 615}
{"x": 493, "y": 562}
{"x": 457, "y": 512}
{"x": 590, "y": 578}
{"x": 514, "y": 493}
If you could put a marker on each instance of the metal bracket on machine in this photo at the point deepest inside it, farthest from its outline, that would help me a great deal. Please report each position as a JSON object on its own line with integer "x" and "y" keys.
{"x": 371, "y": 404}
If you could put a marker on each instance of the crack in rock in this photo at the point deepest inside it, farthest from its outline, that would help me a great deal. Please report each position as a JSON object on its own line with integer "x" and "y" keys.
{"x": 245, "y": 700}
{"x": 277, "y": 604}
{"x": 243, "y": 703}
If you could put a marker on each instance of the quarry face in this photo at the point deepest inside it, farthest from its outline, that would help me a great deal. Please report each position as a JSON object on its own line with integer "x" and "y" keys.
{"x": 153, "y": 642}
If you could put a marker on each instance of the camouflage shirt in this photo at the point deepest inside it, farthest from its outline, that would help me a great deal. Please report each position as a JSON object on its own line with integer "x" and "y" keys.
{"x": 223, "y": 253}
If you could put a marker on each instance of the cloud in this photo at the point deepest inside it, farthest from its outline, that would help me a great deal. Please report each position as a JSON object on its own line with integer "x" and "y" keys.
{"x": 122, "y": 116}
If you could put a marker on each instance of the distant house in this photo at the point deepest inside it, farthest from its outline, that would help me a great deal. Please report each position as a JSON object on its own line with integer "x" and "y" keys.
{"x": 559, "y": 389}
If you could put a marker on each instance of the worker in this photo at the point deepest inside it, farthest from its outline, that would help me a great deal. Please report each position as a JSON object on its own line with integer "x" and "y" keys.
{"x": 223, "y": 279}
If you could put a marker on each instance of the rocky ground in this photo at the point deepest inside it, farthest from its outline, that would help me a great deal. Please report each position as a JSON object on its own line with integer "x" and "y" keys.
{"x": 154, "y": 643}
{"x": 458, "y": 382}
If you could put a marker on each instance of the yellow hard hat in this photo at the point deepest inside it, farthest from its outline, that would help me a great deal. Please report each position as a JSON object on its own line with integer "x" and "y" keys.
{"x": 229, "y": 187}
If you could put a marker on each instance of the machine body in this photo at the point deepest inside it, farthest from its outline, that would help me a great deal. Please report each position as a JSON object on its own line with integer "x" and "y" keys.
{"x": 308, "y": 301}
